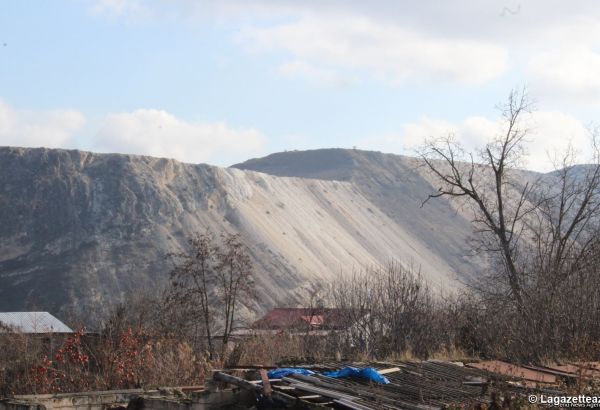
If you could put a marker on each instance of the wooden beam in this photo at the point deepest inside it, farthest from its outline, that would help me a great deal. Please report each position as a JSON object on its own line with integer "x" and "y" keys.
{"x": 246, "y": 385}
{"x": 390, "y": 370}
{"x": 267, "y": 390}
{"x": 260, "y": 381}
{"x": 310, "y": 397}
{"x": 284, "y": 387}
{"x": 236, "y": 381}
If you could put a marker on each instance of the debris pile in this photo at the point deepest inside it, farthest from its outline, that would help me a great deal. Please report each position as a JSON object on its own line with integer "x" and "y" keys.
{"x": 413, "y": 385}
{"x": 423, "y": 385}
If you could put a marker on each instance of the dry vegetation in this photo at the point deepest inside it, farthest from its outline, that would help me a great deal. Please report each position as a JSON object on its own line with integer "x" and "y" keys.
{"x": 114, "y": 359}
{"x": 538, "y": 302}
{"x": 386, "y": 313}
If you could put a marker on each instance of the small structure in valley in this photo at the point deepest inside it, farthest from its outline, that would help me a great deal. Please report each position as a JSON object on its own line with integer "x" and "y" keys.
{"x": 301, "y": 319}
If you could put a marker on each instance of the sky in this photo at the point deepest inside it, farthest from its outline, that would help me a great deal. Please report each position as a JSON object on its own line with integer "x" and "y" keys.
{"x": 219, "y": 82}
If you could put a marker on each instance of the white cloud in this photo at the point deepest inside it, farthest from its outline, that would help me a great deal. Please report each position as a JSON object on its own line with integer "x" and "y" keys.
{"x": 392, "y": 53}
{"x": 158, "y": 133}
{"x": 472, "y": 133}
{"x": 50, "y": 128}
{"x": 141, "y": 132}
{"x": 572, "y": 73}
{"x": 399, "y": 42}
{"x": 550, "y": 133}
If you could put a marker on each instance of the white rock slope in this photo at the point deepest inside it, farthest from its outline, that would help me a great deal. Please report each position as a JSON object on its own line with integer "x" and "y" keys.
{"x": 79, "y": 230}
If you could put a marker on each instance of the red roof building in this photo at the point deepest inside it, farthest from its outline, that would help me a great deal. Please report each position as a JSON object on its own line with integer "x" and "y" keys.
{"x": 300, "y": 319}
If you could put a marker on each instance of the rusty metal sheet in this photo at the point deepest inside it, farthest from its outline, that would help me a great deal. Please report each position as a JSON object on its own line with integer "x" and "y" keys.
{"x": 507, "y": 369}
{"x": 549, "y": 370}
{"x": 567, "y": 368}
{"x": 576, "y": 370}
{"x": 588, "y": 365}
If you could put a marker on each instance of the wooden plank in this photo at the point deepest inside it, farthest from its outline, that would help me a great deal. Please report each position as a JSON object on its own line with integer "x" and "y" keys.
{"x": 284, "y": 387}
{"x": 260, "y": 381}
{"x": 267, "y": 390}
{"x": 236, "y": 381}
{"x": 310, "y": 397}
{"x": 189, "y": 389}
{"x": 390, "y": 370}
{"x": 246, "y": 385}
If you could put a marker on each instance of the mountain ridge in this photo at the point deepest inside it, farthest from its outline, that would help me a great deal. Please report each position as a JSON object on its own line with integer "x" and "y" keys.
{"x": 80, "y": 230}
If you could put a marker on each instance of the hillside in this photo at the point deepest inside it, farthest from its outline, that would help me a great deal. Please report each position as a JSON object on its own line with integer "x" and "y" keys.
{"x": 397, "y": 186}
{"x": 79, "y": 230}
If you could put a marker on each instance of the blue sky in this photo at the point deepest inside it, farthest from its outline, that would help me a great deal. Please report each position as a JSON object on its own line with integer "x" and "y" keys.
{"x": 223, "y": 81}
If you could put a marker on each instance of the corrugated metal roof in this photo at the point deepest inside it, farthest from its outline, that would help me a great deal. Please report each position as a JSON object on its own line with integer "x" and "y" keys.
{"x": 428, "y": 385}
{"x": 33, "y": 322}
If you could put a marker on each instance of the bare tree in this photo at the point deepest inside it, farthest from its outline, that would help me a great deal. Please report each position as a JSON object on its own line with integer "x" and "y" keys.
{"x": 386, "y": 310}
{"x": 235, "y": 280}
{"x": 209, "y": 282}
{"x": 566, "y": 224}
{"x": 497, "y": 218}
{"x": 193, "y": 280}
{"x": 540, "y": 228}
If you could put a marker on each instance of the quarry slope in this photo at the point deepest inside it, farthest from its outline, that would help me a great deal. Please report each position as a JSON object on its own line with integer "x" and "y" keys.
{"x": 397, "y": 186}
{"x": 79, "y": 230}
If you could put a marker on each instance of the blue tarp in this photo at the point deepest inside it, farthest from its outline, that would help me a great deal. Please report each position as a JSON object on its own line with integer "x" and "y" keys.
{"x": 287, "y": 371}
{"x": 368, "y": 373}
